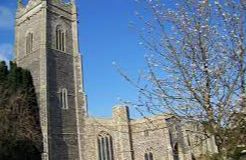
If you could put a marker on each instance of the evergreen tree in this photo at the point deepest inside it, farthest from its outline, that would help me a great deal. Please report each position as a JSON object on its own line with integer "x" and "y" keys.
{"x": 20, "y": 134}
{"x": 3, "y": 72}
{"x": 3, "y": 81}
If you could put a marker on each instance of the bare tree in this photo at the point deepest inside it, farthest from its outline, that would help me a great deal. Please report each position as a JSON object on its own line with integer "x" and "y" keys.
{"x": 196, "y": 65}
{"x": 19, "y": 127}
{"x": 20, "y": 133}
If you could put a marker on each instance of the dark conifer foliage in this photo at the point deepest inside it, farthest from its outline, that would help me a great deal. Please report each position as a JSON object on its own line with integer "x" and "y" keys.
{"x": 20, "y": 133}
{"x": 3, "y": 72}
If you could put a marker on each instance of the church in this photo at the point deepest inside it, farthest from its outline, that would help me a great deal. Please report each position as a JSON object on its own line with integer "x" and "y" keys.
{"x": 46, "y": 43}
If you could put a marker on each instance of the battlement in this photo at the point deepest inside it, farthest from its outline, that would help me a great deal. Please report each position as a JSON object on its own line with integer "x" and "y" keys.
{"x": 23, "y": 9}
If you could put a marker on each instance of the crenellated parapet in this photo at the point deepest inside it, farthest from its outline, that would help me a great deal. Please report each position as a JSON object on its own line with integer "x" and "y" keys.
{"x": 22, "y": 8}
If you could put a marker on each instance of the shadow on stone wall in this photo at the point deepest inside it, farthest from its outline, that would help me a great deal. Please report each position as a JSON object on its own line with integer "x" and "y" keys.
{"x": 58, "y": 146}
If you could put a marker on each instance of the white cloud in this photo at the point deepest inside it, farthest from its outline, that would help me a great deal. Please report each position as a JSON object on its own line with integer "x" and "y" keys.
{"x": 6, "y": 18}
{"x": 6, "y": 52}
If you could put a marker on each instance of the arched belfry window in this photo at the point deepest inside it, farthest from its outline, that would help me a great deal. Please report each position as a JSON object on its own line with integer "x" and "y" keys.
{"x": 60, "y": 38}
{"x": 64, "y": 98}
{"x": 29, "y": 43}
{"x": 105, "y": 147}
{"x": 148, "y": 156}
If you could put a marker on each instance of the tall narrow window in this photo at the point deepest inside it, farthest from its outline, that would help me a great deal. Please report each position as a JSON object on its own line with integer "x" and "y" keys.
{"x": 64, "y": 98}
{"x": 148, "y": 156}
{"x": 60, "y": 39}
{"x": 105, "y": 147}
{"x": 151, "y": 156}
{"x": 29, "y": 43}
{"x": 188, "y": 140}
{"x": 176, "y": 152}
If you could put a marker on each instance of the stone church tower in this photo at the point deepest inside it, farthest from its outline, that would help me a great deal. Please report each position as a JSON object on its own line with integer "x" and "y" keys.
{"x": 47, "y": 44}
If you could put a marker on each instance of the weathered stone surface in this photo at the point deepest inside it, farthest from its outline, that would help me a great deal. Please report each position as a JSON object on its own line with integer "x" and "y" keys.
{"x": 53, "y": 70}
{"x": 69, "y": 134}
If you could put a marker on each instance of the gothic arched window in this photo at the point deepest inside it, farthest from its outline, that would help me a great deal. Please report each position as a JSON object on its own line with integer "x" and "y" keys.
{"x": 105, "y": 147}
{"x": 60, "y": 38}
{"x": 148, "y": 156}
{"x": 29, "y": 43}
{"x": 64, "y": 98}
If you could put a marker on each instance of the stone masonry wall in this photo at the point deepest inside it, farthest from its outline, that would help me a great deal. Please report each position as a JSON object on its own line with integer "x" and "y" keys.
{"x": 53, "y": 70}
{"x": 133, "y": 139}
{"x": 150, "y": 135}
{"x": 68, "y": 133}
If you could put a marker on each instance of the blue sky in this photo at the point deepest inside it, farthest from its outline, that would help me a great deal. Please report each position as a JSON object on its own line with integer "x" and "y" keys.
{"x": 105, "y": 37}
